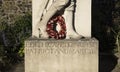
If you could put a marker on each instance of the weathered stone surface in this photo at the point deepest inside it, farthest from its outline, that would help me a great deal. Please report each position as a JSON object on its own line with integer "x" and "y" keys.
{"x": 61, "y": 55}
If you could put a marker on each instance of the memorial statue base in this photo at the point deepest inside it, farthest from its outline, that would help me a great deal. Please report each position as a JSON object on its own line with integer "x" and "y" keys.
{"x": 61, "y": 55}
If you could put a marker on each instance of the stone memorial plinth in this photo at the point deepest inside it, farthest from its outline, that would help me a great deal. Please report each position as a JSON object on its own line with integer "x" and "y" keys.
{"x": 61, "y": 55}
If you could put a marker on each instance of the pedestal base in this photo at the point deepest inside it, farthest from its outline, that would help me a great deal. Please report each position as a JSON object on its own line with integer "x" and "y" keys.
{"x": 61, "y": 55}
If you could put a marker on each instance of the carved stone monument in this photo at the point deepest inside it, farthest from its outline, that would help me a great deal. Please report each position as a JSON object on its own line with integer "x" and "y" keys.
{"x": 61, "y": 38}
{"x": 76, "y": 13}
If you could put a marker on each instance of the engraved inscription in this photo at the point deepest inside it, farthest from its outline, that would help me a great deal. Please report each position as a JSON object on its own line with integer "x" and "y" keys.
{"x": 58, "y": 47}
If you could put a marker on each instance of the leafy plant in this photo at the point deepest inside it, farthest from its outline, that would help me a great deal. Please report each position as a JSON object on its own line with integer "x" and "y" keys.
{"x": 12, "y": 40}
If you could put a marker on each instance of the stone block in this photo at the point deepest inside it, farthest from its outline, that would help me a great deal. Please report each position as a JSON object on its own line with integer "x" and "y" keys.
{"x": 61, "y": 55}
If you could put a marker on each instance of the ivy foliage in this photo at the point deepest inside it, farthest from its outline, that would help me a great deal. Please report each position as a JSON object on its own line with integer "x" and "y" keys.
{"x": 12, "y": 39}
{"x": 116, "y": 26}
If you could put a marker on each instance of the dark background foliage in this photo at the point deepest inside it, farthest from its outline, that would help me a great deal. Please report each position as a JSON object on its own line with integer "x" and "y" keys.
{"x": 12, "y": 41}
{"x": 106, "y": 24}
{"x": 106, "y": 28}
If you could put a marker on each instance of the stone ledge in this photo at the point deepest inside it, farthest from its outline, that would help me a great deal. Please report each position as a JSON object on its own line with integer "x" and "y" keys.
{"x": 83, "y": 39}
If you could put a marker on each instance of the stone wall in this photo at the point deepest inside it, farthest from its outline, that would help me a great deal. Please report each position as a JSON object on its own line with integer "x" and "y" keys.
{"x": 10, "y": 9}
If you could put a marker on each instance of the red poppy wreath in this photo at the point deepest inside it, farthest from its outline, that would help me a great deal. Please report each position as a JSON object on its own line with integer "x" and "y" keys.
{"x": 52, "y": 27}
